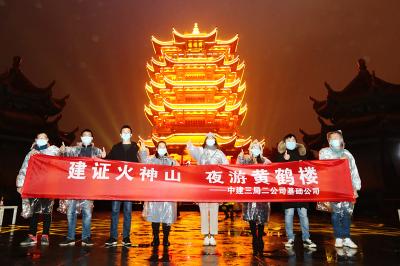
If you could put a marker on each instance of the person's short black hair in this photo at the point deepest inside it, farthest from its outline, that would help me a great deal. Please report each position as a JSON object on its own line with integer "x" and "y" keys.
{"x": 288, "y": 136}
{"x": 125, "y": 126}
{"x": 86, "y": 130}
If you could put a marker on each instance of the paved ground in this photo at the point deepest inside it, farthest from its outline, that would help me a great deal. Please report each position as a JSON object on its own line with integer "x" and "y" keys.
{"x": 379, "y": 244}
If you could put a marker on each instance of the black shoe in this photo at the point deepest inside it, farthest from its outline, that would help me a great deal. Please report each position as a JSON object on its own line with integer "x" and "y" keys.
{"x": 111, "y": 242}
{"x": 67, "y": 242}
{"x": 87, "y": 242}
{"x": 126, "y": 242}
{"x": 29, "y": 241}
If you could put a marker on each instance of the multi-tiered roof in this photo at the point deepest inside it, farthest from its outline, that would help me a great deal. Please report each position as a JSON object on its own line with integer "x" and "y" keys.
{"x": 196, "y": 86}
{"x": 26, "y": 109}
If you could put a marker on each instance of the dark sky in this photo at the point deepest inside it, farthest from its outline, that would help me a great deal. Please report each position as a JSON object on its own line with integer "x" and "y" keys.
{"x": 97, "y": 51}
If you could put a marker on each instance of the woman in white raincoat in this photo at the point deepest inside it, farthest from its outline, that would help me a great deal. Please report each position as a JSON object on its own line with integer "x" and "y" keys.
{"x": 158, "y": 212}
{"x": 256, "y": 213}
{"x": 341, "y": 211}
{"x": 209, "y": 153}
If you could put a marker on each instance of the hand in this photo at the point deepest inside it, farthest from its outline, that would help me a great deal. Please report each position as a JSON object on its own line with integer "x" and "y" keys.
{"x": 62, "y": 148}
{"x": 286, "y": 156}
{"x": 141, "y": 145}
{"x": 103, "y": 153}
{"x": 355, "y": 194}
{"x": 241, "y": 154}
{"x": 19, "y": 189}
{"x": 35, "y": 152}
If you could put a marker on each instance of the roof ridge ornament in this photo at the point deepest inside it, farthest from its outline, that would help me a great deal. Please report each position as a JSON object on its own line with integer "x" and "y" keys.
{"x": 196, "y": 29}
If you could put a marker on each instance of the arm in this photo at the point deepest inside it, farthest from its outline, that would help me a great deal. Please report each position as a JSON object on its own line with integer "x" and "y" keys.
{"x": 143, "y": 156}
{"x": 355, "y": 176}
{"x": 266, "y": 160}
{"x": 71, "y": 151}
{"x": 223, "y": 157}
{"x": 194, "y": 151}
{"x": 22, "y": 172}
{"x": 110, "y": 155}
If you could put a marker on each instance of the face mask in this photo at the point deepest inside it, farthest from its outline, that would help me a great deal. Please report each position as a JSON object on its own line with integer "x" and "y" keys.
{"x": 210, "y": 142}
{"x": 290, "y": 145}
{"x": 335, "y": 144}
{"x": 255, "y": 152}
{"x": 41, "y": 142}
{"x": 126, "y": 136}
{"x": 86, "y": 140}
{"x": 161, "y": 151}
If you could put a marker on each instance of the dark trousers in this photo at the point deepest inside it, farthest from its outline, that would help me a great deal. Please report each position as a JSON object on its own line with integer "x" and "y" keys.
{"x": 34, "y": 223}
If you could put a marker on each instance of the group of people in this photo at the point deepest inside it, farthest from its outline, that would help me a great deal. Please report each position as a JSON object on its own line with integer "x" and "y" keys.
{"x": 165, "y": 213}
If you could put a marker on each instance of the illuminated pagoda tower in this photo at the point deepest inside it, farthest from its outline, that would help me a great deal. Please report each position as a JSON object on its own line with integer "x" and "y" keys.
{"x": 196, "y": 86}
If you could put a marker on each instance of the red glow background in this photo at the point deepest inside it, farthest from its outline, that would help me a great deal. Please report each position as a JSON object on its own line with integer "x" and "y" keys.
{"x": 97, "y": 51}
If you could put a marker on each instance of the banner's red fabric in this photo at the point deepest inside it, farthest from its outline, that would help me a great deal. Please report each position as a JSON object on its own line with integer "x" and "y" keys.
{"x": 97, "y": 179}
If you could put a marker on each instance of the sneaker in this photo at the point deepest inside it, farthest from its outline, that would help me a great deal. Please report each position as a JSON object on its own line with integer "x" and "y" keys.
{"x": 44, "y": 241}
{"x": 111, "y": 242}
{"x": 212, "y": 241}
{"x": 339, "y": 243}
{"x": 126, "y": 242}
{"x": 290, "y": 243}
{"x": 29, "y": 241}
{"x": 67, "y": 242}
{"x": 350, "y": 252}
{"x": 309, "y": 244}
{"x": 206, "y": 241}
{"x": 87, "y": 242}
{"x": 348, "y": 243}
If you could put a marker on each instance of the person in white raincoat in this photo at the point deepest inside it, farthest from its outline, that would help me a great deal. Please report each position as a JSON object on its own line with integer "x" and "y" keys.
{"x": 256, "y": 213}
{"x": 156, "y": 212}
{"x": 33, "y": 207}
{"x": 209, "y": 153}
{"x": 341, "y": 211}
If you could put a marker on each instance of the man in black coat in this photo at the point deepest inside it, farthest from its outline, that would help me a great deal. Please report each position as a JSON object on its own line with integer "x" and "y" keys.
{"x": 289, "y": 150}
{"x": 126, "y": 150}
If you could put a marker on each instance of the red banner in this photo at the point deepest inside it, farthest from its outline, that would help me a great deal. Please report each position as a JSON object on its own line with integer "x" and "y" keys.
{"x": 97, "y": 179}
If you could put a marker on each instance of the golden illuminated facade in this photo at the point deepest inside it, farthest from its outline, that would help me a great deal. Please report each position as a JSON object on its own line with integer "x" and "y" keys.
{"x": 196, "y": 86}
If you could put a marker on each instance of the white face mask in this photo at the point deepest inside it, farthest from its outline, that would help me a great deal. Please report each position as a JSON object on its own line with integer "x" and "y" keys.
{"x": 86, "y": 140}
{"x": 210, "y": 142}
{"x": 255, "y": 151}
{"x": 126, "y": 136}
{"x": 41, "y": 142}
{"x": 162, "y": 151}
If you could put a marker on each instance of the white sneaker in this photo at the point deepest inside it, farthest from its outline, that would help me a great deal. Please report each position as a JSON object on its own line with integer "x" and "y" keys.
{"x": 212, "y": 241}
{"x": 309, "y": 244}
{"x": 290, "y": 243}
{"x": 339, "y": 243}
{"x": 348, "y": 243}
{"x": 206, "y": 241}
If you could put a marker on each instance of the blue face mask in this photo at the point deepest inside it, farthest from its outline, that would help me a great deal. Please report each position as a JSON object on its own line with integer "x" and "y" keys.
{"x": 290, "y": 145}
{"x": 210, "y": 142}
{"x": 126, "y": 136}
{"x": 255, "y": 152}
{"x": 335, "y": 144}
{"x": 161, "y": 151}
{"x": 41, "y": 142}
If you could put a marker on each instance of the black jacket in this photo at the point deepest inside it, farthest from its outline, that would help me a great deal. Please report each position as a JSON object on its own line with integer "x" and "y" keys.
{"x": 118, "y": 153}
{"x": 294, "y": 156}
